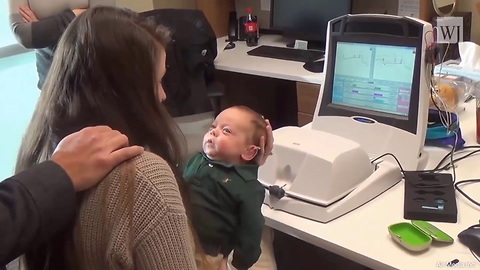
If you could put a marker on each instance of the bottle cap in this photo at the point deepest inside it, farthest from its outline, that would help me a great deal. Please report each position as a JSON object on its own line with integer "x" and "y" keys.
{"x": 249, "y": 10}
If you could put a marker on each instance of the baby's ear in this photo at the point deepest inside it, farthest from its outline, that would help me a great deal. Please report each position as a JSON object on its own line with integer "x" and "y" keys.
{"x": 250, "y": 152}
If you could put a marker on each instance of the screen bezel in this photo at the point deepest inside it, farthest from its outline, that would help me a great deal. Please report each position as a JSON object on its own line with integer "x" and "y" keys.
{"x": 292, "y": 33}
{"x": 327, "y": 108}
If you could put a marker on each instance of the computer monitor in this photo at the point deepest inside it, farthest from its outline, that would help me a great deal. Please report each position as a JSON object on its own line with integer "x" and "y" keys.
{"x": 306, "y": 19}
{"x": 374, "y": 77}
{"x": 376, "y": 89}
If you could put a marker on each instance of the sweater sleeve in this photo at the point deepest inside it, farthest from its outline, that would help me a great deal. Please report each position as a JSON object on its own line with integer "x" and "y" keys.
{"x": 247, "y": 249}
{"x": 47, "y": 31}
{"x": 43, "y": 33}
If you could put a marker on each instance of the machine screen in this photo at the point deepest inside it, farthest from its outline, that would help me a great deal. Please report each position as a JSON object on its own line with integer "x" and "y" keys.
{"x": 374, "y": 77}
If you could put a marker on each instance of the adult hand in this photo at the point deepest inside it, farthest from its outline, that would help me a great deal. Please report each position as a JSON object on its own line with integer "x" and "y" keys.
{"x": 27, "y": 14}
{"x": 266, "y": 145}
{"x": 78, "y": 11}
{"x": 90, "y": 154}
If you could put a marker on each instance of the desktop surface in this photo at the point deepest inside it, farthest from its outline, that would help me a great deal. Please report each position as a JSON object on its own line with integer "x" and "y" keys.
{"x": 237, "y": 60}
{"x": 362, "y": 235}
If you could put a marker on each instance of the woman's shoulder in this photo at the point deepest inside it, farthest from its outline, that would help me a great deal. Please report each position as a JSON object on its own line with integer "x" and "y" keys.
{"x": 150, "y": 163}
{"x": 154, "y": 177}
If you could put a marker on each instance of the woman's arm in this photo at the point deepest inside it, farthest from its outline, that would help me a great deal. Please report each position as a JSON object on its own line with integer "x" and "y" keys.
{"x": 42, "y": 33}
{"x": 45, "y": 32}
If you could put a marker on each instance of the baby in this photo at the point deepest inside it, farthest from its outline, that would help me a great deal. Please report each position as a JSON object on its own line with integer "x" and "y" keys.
{"x": 225, "y": 194}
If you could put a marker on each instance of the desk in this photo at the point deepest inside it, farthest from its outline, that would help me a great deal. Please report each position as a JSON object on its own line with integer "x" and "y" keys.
{"x": 238, "y": 61}
{"x": 362, "y": 235}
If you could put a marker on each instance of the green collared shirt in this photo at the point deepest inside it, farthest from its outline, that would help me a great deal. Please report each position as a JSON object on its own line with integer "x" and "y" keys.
{"x": 226, "y": 207}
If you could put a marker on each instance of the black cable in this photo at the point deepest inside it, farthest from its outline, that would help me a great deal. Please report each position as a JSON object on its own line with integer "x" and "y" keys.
{"x": 447, "y": 166}
{"x": 457, "y": 184}
{"x": 438, "y": 167}
{"x": 392, "y": 155}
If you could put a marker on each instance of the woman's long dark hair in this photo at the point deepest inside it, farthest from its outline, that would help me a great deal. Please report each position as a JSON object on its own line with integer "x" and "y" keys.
{"x": 104, "y": 72}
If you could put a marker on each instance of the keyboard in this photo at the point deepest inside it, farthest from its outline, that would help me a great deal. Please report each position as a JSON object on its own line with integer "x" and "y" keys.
{"x": 285, "y": 53}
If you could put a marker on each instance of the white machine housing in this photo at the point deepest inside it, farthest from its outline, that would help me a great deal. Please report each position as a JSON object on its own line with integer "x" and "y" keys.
{"x": 325, "y": 168}
{"x": 377, "y": 137}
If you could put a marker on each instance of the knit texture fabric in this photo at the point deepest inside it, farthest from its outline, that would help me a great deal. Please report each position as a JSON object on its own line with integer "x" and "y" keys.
{"x": 150, "y": 233}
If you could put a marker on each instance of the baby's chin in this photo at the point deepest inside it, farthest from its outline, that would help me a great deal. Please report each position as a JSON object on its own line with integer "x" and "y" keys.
{"x": 209, "y": 153}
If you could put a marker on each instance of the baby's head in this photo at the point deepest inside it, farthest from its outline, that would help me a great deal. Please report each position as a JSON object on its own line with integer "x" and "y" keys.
{"x": 234, "y": 136}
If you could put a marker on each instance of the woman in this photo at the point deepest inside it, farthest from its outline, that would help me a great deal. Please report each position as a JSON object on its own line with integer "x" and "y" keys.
{"x": 38, "y": 24}
{"x": 108, "y": 70}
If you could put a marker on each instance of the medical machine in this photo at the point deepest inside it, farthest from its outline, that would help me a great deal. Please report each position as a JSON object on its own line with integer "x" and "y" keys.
{"x": 374, "y": 101}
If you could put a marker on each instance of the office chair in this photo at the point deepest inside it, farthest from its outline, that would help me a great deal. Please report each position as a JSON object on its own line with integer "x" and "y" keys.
{"x": 193, "y": 95}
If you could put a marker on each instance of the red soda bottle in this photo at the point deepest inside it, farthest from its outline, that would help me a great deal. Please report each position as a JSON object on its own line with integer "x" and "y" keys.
{"x": 251, "y": 29}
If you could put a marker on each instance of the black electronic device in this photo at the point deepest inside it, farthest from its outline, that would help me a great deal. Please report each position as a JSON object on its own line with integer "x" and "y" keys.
{"x": 314, "y": 66}
{"x": 306, "y": 19}
{"x": 241, "y": 27}
{"x": 471, "y": 238}
{"x": 287, "y": 53}
{"x": 429, "y": 197}
{"x": 232, "y": 26}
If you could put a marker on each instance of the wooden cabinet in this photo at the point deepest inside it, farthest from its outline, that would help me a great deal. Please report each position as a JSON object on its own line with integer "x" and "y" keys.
{"x": 307, "y": 96}
{"x": 217, "y": 12}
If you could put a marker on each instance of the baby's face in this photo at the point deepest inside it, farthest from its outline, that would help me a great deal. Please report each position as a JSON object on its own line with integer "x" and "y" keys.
{"x": 228, "y": 136}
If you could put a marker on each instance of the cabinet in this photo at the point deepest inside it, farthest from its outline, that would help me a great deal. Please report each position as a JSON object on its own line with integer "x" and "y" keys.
{"x": 307, "y": 96}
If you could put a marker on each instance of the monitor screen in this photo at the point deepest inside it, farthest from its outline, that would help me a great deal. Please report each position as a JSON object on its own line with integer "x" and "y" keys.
{"x": 306, "y": 19}
{"x": 374, "y": 77}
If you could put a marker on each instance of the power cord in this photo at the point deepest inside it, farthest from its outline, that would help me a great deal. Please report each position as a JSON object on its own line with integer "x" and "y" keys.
{"x": 463, "y": 193}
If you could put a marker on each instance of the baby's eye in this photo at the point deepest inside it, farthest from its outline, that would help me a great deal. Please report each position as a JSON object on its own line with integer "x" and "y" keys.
{"x": 227, "y": 130}
{"x": 211, "y": 127}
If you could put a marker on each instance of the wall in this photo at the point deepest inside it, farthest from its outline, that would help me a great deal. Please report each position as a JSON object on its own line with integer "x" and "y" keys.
{"x": 358, "y": 6}
{"x": 470, "y": 5}
{"x": 136, "y": 5}
{"x": 144, "y": 5}
{"x": 217, "y": 12}
{"x": 187, "y": 4}
{"x": 262, "y": 15}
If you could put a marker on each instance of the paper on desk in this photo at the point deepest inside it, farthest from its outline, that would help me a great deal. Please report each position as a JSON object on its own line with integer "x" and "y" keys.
{"x": 469, "y": 55}
{"x": 409, "y": 8}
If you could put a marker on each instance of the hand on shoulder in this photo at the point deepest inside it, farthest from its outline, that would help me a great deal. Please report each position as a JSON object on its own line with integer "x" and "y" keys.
{"x": 88, "y": 155}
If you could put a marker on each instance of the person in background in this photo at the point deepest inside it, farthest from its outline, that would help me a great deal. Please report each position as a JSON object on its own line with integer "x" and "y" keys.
{"x": 39, "y": 24}
{"x": 225, "y": 193}
{"x": 37, "y": 203}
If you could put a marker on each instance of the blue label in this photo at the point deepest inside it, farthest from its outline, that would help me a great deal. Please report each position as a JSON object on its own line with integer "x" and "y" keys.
{"x": 363, "y": 120}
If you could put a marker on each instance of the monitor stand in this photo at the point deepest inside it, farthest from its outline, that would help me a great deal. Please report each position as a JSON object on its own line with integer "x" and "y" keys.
{"x": 312, "y": 45}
